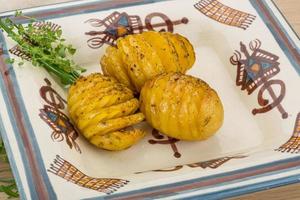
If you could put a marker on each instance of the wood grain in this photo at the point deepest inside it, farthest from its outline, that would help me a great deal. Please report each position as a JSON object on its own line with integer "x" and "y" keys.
{"x": 5, "y": 175}
{"x": 289, "y": 192}
{"x": 291, "y": 10}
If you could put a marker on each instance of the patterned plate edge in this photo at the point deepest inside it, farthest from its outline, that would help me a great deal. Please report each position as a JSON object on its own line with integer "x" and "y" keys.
{"x": 80, "y": 13}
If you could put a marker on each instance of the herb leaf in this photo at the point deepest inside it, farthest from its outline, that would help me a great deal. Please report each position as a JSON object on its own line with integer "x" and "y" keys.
{"x": 8, "y": 184}
{"x": 9, "y": 61}
{"x": 45, "y": 47}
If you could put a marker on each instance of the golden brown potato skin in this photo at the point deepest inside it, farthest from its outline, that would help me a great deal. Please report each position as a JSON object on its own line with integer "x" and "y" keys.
{"x": 138, "y": 58}
{"x": 102, "y": 109}
{"x": 181, "y": 106}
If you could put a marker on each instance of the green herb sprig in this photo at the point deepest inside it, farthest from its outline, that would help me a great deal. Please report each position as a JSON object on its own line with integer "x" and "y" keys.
{"x": 45, "y": 47}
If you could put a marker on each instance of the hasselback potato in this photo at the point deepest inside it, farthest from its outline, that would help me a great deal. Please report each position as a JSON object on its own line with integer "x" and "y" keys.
{"x": 138, "y": 58}
{"x": 181, "y": 106}
{"x": 104, "y": 110}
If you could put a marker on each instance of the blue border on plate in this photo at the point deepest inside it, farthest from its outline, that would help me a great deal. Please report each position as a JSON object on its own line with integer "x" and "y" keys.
{"x": 275, "y": 35}
{"x": 29, "y": 128}
{"x": 11, "y": 159}
{"x": 247, "y": 189}
{"x": 28, "y": 125}
{"x": 14, "y": 126}
{"x": 128, "y": 4}
{"x": 293, "y": 159}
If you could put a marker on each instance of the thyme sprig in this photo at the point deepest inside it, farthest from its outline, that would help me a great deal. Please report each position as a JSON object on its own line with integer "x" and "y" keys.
{"x": 45, "y": 47}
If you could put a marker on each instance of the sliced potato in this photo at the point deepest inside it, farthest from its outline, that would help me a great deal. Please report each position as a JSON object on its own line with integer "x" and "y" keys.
{"x": 112, "y": 98}
{"x": 164, "y": 49}
{"x": 181, "y": 106}
{"x": 92, "y": 118}
{"x": 147, "y": 56}
{"x": 129, "y": 56}
{"x": 141, "y": 57}
{"x": 182, "y": 51}
{"x": 102, "y": 110}
{"x": 190, "y": 49}
{"x": 119, "y": 71}
{"x": 117, "y": 140}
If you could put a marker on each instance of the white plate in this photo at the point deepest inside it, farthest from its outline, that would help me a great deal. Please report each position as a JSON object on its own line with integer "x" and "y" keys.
{"x": 248, "y": 153}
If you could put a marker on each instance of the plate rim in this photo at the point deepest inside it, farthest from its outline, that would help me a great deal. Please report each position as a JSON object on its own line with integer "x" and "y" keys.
{"x": 82, "y": 3}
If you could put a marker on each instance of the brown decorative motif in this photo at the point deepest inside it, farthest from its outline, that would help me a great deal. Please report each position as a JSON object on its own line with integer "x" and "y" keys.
{"x": 161, "y": 139}
{"x": 118, "y": 25}
{"x": 69, "y": 172}
{"x": 224, "y": 14}
{"x": 18, "y": 52}
{"x": 293, "y": 144}
{"x": 49, "y": 25}
{"x": 55, "y": 118}
{"x": 38, "y": 25}
{"x": 256, "y": 70}
{"x": 178, "y": 167}
{"x": 213, "y": 164}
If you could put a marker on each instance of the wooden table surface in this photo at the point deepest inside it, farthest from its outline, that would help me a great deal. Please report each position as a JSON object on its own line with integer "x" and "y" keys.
{"x": 290, "y": 8}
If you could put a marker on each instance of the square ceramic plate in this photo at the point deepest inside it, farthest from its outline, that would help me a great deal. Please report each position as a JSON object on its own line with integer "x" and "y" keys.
{"x": 244, "y": 49}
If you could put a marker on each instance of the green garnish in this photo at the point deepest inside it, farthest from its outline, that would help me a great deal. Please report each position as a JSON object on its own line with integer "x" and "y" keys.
{"x": 10, "y": 190}
{"x": 45, "y": 47}
{"x": 7, "y": 182}
{"x": 3, "y": 156}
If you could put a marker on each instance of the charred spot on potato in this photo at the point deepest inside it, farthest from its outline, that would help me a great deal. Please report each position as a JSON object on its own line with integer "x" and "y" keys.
{"x": 206, "y": 121}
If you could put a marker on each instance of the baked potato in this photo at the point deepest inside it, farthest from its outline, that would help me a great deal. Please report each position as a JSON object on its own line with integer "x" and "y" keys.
{"x": 104, "y": 110}
{"x": 138, "y": 58}
{"x": 181, "y": 106}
